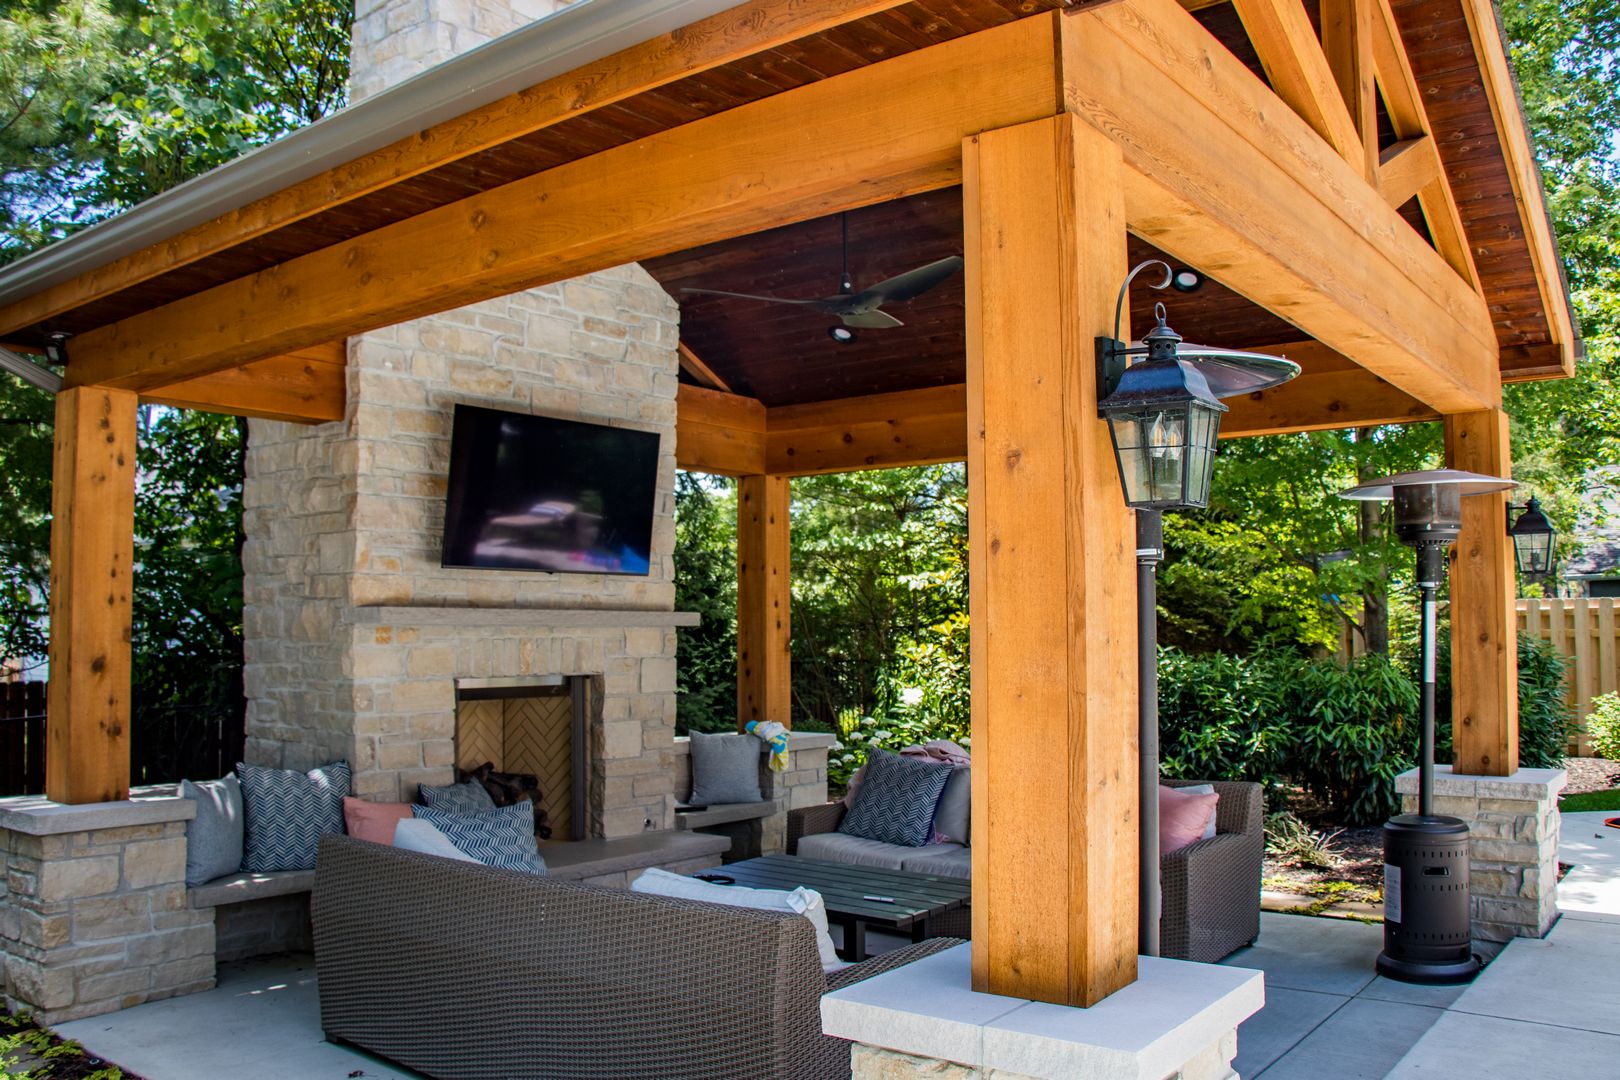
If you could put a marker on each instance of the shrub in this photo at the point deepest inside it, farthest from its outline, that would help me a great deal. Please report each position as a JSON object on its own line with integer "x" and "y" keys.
{"x": 1354, "y": 730}
{"x": 1544, "y": 713}
{"x": 1221, "y": 717}
{"x": 1603, "y": 725}
{"x": 1294, "y": 843}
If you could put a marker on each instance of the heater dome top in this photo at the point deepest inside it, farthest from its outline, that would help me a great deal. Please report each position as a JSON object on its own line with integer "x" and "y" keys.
{"x": 1467, "y": 483}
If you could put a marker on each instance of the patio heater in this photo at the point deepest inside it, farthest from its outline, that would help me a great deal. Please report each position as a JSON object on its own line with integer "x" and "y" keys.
{"x": 1428, "y": 936}
{"x": 1164, "y": 414}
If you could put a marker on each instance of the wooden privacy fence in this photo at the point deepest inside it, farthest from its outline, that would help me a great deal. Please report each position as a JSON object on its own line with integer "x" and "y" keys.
{"x": 1587, "y": 633}
{"x": 168, "y": 742}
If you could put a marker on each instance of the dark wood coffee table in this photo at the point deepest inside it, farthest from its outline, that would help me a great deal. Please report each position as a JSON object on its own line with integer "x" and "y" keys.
{"x": 908, "y": 900}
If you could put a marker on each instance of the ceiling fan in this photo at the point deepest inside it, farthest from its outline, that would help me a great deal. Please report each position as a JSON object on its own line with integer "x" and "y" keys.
{"x": 861, "y": 310}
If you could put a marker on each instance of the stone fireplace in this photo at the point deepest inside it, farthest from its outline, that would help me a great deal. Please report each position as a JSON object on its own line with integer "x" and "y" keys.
{"x": 537, "y": 727}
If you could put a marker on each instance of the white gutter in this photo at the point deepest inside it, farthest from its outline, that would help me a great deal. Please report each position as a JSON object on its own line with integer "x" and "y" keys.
{"x": 551, "y": 46}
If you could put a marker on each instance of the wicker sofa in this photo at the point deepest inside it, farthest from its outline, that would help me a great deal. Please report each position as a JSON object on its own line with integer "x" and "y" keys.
{"x": 1210, "y": 888}
{"x": 462, "y": 970}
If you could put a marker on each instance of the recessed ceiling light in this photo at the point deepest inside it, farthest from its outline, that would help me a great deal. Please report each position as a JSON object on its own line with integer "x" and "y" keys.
{"x": 841, "y": 334}
{"x": 1185, "y": 280}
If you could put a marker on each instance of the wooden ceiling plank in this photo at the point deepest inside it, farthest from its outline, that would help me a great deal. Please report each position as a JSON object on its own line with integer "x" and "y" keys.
{"x": 731, "y": 35}
{"x": 1484, "y": 27}
{"x": 306, "y": 387}
{"x": 897, "y": 125}
{"x": 1256, "y": 199}
{"x": 1299, "y": 71}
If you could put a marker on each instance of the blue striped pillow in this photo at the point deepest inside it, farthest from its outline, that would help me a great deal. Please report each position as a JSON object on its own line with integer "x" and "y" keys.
{"x": 896, "y": 800}
{"x": 467, "y": 798}
{"x": 287, "y": 812}
{"x": 501, "y": 837}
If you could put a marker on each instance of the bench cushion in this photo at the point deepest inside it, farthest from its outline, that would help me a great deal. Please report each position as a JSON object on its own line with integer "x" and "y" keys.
{"x": 941, "y": 860}
{"x": 854, "y": 850}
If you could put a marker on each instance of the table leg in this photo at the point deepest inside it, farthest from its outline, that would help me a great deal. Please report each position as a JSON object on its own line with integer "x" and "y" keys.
{"x": 855, "y": 941}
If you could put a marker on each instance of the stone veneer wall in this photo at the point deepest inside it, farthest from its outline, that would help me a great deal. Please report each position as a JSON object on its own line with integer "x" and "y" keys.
{"x": 348, "y": 516}
{"x": 93, "y": 913}
{"x": 1512, "y": 847}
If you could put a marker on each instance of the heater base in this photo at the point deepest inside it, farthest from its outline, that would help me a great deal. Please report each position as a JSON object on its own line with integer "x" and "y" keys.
{"x": 1451, "y": 973}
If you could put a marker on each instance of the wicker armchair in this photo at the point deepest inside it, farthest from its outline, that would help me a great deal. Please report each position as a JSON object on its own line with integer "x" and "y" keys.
{"x": 460, "y": 970}
{"x": 1211, "y": 888}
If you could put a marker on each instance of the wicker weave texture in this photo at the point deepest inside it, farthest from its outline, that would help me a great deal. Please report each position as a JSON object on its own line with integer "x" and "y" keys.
{"x": 465, "y": 971}
{"x": 1211, "y": 888}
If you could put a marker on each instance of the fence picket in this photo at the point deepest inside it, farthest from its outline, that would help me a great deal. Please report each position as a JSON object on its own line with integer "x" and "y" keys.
{"x": 1586, "y": 632}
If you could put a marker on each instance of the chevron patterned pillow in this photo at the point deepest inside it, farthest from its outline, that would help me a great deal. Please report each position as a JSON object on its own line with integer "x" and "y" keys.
{"x": 501, "y": 837}
{"x": 288, "y": 812}
{"x": 465, "y": 798}
{"x": 896, "y": 800}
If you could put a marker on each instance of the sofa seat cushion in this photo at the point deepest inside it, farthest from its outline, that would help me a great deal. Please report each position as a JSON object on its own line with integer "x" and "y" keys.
{"x": 854, "y": 850}
{"x": 941, "y": 860}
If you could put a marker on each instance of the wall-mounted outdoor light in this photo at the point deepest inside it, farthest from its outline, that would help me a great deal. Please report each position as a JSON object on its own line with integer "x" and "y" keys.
{"x": 1428, "y": 932}
{"x": 1533, "y": 535}
{"x": 1164, "y": 413}
{"x": 56, "y": 347}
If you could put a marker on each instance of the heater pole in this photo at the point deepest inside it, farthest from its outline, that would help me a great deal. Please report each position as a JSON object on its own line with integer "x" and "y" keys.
{"x": 1431, "y": 568}
{"x": 1149, "y": 550}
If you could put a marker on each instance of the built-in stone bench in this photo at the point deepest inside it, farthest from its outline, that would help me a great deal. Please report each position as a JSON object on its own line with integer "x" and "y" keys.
{"x": 759, "y": 828}
{"x": 619, "y": 862}
{"x": 257, "y": 914}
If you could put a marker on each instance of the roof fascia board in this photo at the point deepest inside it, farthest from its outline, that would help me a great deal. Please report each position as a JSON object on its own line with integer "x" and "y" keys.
{"x": 549, "y": 47}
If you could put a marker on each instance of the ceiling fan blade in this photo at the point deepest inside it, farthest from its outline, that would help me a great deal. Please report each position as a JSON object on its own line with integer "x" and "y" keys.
{"x": 909, "y": 284}
{"x": 870, "y": 320}
{"x": 766, "y": 299}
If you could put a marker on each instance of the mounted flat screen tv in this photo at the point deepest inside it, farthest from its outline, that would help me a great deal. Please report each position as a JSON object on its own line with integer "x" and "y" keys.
{"x": 538, "y": 493}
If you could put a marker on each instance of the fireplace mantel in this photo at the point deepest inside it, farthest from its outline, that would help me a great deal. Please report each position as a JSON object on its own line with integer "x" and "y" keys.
{"x": 533, "y": 618}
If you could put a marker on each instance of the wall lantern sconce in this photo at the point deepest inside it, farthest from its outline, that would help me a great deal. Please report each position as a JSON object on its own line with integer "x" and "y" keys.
{"x": 1164, "y": 413}
{"x": 1533, "y": 535}
{"x": 56, "y": 347}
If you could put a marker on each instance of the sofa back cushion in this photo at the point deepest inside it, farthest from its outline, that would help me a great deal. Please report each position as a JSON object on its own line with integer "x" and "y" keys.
{"x": 806, "y": 902}
{"x": 897, "y": 799}
{"x": 953, "y": 815}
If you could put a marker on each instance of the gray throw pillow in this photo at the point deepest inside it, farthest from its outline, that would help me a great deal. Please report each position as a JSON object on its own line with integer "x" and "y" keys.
{"x": 214, "y": 837}
{"x": 287, "y": 813}
{"x": 896, "y": 800}
{"x": 501, "y": 837}
{"x": 725, "y": 769}
{"x": 466, "y": 798}
{"x": 951, "y": 816}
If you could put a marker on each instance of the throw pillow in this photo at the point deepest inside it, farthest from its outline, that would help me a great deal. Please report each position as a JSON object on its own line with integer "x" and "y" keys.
{"x": 806, "y": 902}
{"x": 288, "y": 812}
{"x": 1203, "y": 789}
{"x": 465, "y": 798}
{"x": 415, "y": 834}
{"x": 725, "y": 769}
{"x": 951, "y": 816}
{"x": 214, "y": 837}
{"x": 374, "y": 821}
{"x": 897, "y": 799}
{"x": 501, "y": 837}
{"x": 1182, "y": 817}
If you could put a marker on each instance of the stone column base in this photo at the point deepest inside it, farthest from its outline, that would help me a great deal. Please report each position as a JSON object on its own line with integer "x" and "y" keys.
{"x": 1512, "y": 847}
{"x": 1178, "y": 1021}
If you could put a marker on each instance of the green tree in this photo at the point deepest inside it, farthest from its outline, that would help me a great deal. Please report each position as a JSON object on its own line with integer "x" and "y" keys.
{"x": 706, "y": 582}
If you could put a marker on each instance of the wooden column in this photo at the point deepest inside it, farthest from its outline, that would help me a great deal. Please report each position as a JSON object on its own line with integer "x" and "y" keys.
{"x": 1484, "y": 631}
{"x": 92, "y": 549}
{"x": 1052, "y": 571}
{"x": 764, "y": 686}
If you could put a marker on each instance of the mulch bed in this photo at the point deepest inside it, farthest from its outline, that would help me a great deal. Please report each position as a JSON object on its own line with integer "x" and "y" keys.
{"x": 1591, "y": 774}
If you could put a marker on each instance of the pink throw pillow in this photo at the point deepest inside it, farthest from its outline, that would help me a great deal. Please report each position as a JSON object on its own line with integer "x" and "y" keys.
{"x": 1183, "y": 817}
{"x": 373, "y": 821}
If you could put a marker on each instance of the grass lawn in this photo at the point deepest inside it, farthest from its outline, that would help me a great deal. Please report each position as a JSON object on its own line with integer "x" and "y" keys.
{"x": 1591, "y": 800}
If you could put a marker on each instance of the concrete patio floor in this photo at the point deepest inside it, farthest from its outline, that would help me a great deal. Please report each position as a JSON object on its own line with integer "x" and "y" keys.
{"x": 1546, "y": 1009}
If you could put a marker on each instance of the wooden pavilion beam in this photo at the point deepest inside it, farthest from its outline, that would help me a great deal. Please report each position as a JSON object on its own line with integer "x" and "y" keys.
{"x": 881, "y": 431}
{"x": 1299, "y": 71}
{"x": 1484, "y": 625}
{"x": 718, "y": 433}
{"x": 897, "y": 127}
{"x": 306, "y": 387}
{"x": 92, "y": 557}
{"x": 764, "y": 600}
{"x": 748, "y": 28}
{"x": 1052, "y": 571}
{"x": 1220, "y": 178}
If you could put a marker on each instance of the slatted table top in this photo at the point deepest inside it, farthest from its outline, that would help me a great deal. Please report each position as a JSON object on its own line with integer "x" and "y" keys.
{"x": 846, "y": 888}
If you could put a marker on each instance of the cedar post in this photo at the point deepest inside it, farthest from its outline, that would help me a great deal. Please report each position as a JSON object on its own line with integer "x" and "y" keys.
{"x": 1052, "y": 571}
{"x": 1484, "y": 632}
{"x": 764, "y": 686}
{"x": 92, "y": 551}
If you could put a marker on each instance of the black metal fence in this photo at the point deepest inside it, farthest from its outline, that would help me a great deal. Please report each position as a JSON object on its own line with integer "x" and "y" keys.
{"x": 167, "y": 742}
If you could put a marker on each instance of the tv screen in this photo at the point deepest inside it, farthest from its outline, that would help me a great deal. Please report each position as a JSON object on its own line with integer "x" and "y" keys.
{"x": 537, "y": 493}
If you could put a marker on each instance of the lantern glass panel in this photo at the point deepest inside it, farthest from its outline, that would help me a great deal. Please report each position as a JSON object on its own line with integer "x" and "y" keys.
{"x": 1165, "y": 454}
{"x": 1204, "y": 427}
{"x": 1534, "y": 552}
